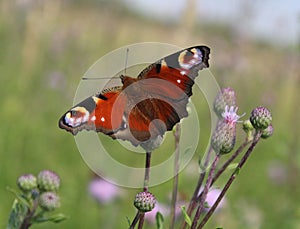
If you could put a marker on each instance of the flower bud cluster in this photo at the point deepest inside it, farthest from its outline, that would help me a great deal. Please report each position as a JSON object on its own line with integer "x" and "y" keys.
{"x": 41, "y": 188}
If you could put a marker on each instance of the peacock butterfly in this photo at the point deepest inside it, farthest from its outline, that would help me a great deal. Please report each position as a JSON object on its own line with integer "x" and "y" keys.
{"x": 142, "y": 109}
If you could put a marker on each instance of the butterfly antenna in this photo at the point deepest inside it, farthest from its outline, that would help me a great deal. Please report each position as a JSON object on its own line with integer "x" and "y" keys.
{"x": 126, "y": 61}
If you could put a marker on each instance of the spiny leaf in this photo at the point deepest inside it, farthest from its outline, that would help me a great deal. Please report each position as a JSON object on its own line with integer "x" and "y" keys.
{"x": 17, "y": 215}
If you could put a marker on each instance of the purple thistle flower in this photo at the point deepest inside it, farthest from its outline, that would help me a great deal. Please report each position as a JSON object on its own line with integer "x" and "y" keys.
{"x": 230, "y": 116}
{"x": 103, "y": 191}
{"x": 211, "y": 198}
{"x": 162, "y": 208}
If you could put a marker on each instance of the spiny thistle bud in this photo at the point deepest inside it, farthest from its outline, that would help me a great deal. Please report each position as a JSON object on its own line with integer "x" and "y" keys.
{"x": 267, "y": 132}
{"x": 27, "y": 182}
{"x": 223, "y": 138}
{"x": 144, "y": 201}
{"x": 49, "y": 201}
{"x": 48, "y": 181}
{"x": 226, "y": 97}
{"x": 260, "y": 118}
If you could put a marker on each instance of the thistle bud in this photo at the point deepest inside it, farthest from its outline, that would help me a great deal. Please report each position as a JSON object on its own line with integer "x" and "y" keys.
{"x": 267, "y": 132}
{"x": 226, "y": 97}
{"x": 27, "y": 182}
{"x": 144, "y": 201}
{"x": 260, "y": 118}
{"x": 223, "y": 138}
{"x": 49, "y": 201}
{"x": 48, "y": 181}
{"x": 247, "y": 126}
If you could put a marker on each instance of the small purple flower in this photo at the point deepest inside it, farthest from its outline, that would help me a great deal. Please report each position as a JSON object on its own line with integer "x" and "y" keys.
{"x": 230, "y": 115}
{"x": 103, "y": 191}
{"x": 211, "y": 198}
{"x": 163, "y": 209}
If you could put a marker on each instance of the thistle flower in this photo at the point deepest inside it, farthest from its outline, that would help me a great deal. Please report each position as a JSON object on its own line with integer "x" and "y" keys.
{"x": 103, "y": 191}
{"x": 223, "y": 138}
{"x": 49, "y": 201}
{"x": 144, "y": 201}
{"x": 230, "y": 116}
{"x": 27, "y": 182}
{"x": 48, "y": 181}
{"x": 260, "y": 118}
{"x": 226, "y": 97}
{"x": 162, "y": 208}
{"x": 211, "y": 198}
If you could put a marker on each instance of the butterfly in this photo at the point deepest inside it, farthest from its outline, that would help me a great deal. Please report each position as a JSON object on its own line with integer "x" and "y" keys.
{"x": 142, "y": 109}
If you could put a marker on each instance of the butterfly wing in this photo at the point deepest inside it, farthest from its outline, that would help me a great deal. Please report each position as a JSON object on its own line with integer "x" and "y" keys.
{"x": 161, "y": 92}
{"x": 95, "y": 113}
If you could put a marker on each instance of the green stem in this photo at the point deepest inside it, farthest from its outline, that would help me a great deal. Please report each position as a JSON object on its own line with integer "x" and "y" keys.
{"x": 139, "y": 217}
{"x": 141, "y": 222}
{"x": 135, "y": 220}
{"x": 147, "y": 171}
{"x": 176, "y": 171}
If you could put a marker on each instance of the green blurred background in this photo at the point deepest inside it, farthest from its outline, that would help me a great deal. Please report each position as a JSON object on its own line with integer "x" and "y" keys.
{"x": 45, "y": 48}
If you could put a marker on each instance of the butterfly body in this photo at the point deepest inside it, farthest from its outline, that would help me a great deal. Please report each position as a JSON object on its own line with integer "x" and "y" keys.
{"x": 143, "y": 108}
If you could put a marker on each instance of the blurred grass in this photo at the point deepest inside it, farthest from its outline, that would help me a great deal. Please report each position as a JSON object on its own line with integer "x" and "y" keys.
{"x": 47, "y": 46}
